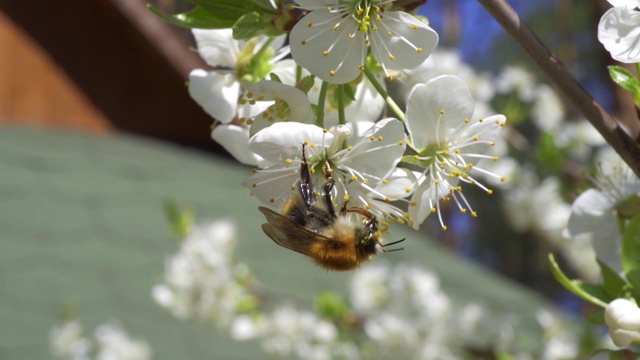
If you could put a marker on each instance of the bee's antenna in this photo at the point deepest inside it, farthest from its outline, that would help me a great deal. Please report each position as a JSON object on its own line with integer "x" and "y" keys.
{"x": 384, "y": 247}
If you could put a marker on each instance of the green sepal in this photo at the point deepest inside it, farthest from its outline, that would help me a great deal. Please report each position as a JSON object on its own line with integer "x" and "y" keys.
{"x": 613, "y": 284}
{"x": 626, "y": 80}
{"x": 306, "y": 83}
{"x": 594, "y": 294}
{"x": 411, "y": 159}
{"x": 197, "y": 18}
{"x": 631, "y": 246}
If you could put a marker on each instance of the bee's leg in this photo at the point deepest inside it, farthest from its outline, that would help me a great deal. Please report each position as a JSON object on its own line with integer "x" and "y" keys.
{"x": 305, "y": 181}
{"x": 328, "y": 187}
{"x": 372, "y": 225}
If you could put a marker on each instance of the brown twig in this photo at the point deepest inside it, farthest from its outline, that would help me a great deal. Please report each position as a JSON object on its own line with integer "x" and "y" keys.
{"x": 624, "y": 144}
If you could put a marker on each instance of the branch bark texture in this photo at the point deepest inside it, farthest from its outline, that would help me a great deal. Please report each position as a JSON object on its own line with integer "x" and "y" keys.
{"x": 623, "y": 143}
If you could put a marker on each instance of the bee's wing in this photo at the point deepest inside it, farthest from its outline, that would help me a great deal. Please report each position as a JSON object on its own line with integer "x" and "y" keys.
{"x": 288, "y": 234}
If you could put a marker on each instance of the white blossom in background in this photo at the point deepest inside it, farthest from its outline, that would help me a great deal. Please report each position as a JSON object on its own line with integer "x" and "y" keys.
{"x": 448, "y": 144}
{"x": 109, "y": 342}
{"x": 361, "y": 164}
{"x": 446, "y": 62}
{"x": 113, "y": 343}
{"x": 68, "y": 341}
{"x": 332, "y": 40}
{"x": 622, "y": 316}
{"x": 200, "y": 280}
{"x": 619, "y": 30}
{"x": 561, "y": 343}
{"x": 597, "y": 211}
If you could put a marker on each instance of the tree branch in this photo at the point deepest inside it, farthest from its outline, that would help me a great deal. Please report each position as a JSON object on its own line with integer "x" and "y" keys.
{"x": 624, "y": 144}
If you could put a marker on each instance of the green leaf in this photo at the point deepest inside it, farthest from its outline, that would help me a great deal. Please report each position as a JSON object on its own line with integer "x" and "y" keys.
{"x": 248, "y": 26}
{"x": 181, "y": 220}
{"x": 631, "y": 246}
{"x": 626, "y": 80}
{"x": 589, "y": 292}
{"x": 330, "y": 305}
{"x": 613, "y": 283}
{"x": 198, "y": 18}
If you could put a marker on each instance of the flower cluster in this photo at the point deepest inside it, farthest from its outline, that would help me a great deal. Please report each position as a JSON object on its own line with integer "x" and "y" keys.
{"x": 390, "y": 311}
{"x": 200, "y": 280}
{"x": 110, "y": 341}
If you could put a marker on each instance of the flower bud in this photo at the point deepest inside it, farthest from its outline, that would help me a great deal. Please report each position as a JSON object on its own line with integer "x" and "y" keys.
{"x": 623, "y": 318}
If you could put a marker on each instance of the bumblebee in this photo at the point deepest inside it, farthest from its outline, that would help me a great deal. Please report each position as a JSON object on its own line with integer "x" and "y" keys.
{"x": 335, "y": 241}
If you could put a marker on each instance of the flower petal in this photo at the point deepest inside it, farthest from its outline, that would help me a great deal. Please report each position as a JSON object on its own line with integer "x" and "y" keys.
{"x": 425, "y": 123}
{"x": 378, "y": 151}
{"x": 217, "y": 93}
{"x": 619, "y": 32}
{"x": 588, "y": 211}
{"x": 298, "y": 104}
{"x": 274, "y": 185}
{"x": 235, "y": 139}
{"x": 217, "y": 47}
{"x": 345, "y": 46}
{"x": 283, "y": 140}
{"x": 401, "y": 41}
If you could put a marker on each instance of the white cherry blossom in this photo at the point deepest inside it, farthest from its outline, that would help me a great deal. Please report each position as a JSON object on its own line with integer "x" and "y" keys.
{"x": 619, "y": 30}
{"x": 448, "y": 145}
{"x": 622, "y": 316}
{"x": 333, "y": 39}
{"x": 362, "y": 165}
